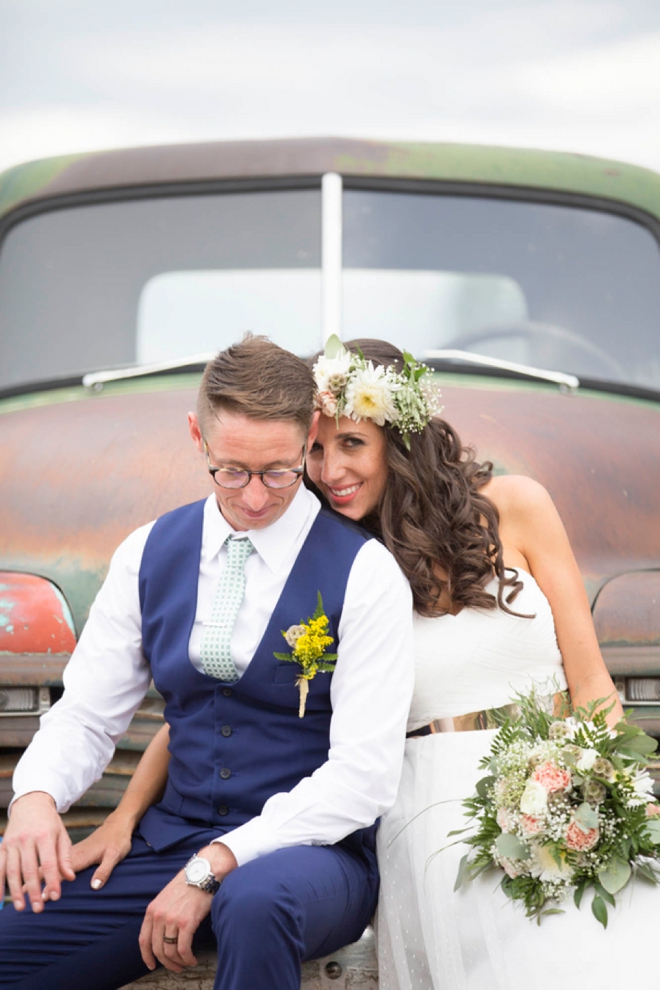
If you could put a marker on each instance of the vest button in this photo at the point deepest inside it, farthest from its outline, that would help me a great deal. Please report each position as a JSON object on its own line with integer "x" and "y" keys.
{"x": 227, "y": 692}
{"x": 225, "y": 773}
{"x": 226, "y": 730}
{"x": 223, "y": 810}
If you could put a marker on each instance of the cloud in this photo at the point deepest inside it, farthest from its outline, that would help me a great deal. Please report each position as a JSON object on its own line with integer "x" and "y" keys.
{"x": 561, "y": 74}
{"x": 620, "y": 78}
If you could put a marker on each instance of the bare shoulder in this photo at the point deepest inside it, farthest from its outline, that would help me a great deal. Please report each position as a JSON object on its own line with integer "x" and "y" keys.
{"x": 517, "y": 495}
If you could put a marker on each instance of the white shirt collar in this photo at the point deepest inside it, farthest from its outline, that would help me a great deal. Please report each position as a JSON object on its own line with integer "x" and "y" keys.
{"x": 273, "y": 543}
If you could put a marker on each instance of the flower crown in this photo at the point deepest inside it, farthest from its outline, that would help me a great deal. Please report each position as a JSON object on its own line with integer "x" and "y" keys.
{"x": 349, "y": 385}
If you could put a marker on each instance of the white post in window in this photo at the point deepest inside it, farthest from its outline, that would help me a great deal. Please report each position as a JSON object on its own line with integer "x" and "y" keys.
{"x": 331, "y": 196}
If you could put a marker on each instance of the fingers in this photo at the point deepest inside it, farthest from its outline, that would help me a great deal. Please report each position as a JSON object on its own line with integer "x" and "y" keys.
{"x": 184, "y": 947}
{"x": 111, "y": 857}
{"x": 23, "y": 869}
{"x": 156, "y": 941}
{"x": 146, "y": 933}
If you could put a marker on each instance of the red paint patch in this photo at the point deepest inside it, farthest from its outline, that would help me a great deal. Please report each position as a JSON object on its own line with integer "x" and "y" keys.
{"x": 33, "y": 616}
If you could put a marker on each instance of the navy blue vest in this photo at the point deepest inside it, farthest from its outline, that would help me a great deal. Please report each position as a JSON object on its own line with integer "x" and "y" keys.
{"x": 235, "y": 745}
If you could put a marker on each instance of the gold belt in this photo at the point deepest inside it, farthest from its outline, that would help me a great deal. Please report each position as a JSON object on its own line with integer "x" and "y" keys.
{"x": 490, "y": 718}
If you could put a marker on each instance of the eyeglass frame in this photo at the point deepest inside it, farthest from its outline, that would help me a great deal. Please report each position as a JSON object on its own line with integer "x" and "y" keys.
{"x": 213, "y": 471}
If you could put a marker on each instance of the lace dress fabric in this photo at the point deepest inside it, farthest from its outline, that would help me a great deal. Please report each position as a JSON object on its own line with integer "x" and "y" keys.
{"x": 431, "y": 937}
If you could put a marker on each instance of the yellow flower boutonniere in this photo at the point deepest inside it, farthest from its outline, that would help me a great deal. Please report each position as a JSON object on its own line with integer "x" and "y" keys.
{"x": 309, "y": 641}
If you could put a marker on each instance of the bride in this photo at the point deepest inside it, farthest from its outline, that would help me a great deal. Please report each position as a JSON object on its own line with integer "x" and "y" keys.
{"x": 500, "y": 606}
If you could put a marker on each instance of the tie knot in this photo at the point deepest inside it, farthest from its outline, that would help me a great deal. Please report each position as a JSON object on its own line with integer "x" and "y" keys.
{"x": 239, "y": 548}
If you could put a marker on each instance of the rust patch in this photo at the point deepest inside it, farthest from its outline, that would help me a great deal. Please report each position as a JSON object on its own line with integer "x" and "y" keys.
{"x": 627, "y": 611}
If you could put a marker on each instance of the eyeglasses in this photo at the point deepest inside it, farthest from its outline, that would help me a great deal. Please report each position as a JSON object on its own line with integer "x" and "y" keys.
{"x": 236, "y": 478}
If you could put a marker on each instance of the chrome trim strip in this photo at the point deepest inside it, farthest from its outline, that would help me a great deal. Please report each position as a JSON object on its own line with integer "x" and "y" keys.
{"x": 569, "y": 382}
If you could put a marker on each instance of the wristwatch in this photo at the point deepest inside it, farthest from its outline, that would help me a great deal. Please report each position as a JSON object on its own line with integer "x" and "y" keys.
{"x": 198, "y": 873}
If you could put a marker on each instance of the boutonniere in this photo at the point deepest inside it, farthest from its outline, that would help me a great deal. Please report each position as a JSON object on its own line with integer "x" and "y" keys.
{"x": 309, "y": 641}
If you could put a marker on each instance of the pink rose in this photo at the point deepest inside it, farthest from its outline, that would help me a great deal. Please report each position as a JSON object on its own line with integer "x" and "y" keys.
{"x": 552, "y": 777}
{"x": 579, "y": 840}
{"x": 327, "y": 403}
{"x": 530, "y": 825}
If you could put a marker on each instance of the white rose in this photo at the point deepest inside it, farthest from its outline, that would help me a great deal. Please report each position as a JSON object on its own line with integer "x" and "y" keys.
{"x": 534, "y": 800}
{"x": 587, "y": 760}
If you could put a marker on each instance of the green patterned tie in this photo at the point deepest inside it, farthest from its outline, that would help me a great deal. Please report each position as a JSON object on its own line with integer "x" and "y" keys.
{"x": 215, "y": 651}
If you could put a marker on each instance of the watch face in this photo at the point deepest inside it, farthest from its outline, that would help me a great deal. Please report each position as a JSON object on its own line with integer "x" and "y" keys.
{"x": 196, "y": 871}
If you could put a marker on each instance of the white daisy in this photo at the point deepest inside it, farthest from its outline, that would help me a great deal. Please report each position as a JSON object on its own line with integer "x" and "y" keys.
{"x": 369, "y": 395}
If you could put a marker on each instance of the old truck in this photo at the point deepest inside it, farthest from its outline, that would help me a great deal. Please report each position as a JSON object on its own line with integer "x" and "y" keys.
{"x": 529, "y": 280}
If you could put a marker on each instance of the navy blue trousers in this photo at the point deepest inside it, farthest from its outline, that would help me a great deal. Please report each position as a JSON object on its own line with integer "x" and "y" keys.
{"x": 268, "y": 916}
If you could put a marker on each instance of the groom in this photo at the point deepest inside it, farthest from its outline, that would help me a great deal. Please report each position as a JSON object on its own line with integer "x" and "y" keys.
{"x": 264, "y": 838}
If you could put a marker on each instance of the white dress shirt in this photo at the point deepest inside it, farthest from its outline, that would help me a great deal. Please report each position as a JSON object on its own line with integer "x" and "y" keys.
{"x": 371, "y": 689}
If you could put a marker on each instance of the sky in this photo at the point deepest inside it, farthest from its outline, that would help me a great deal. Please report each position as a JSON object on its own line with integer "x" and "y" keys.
{"x": 570, "y": 75}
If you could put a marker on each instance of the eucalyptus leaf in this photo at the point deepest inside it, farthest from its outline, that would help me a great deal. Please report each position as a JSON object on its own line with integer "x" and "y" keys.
{"x": 652, "y": 829}
{"x": 483, "y": 786}
{"x": 641, "y": 744}
{"x": 586, "y": 817}
{"x": 511, "y": 846}
{"x": 599, "y": 909}
{"x": 463, "y": 870}
{"x": 334, "y": 347}
{"x": 616, "y": 875}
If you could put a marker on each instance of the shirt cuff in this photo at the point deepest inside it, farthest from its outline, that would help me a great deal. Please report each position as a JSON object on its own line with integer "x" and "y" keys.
{"x": 249, "y": 841}
{"x": 58, "y": 794}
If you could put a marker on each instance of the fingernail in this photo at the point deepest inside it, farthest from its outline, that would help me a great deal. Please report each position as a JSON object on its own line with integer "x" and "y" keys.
{"x": 97, "y": 884}
{"x": 54, "y": 896}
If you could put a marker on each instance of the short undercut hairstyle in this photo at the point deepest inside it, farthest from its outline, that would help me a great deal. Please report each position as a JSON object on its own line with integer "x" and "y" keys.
{"x": 258, "y": 379}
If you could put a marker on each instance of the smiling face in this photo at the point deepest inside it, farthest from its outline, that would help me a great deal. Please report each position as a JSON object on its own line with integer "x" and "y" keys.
{"x": 347, "y": 462}
{"x": 238, "y": 442}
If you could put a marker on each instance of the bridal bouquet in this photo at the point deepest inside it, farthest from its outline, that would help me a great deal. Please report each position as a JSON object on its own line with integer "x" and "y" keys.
{"x": 564, "y": 807}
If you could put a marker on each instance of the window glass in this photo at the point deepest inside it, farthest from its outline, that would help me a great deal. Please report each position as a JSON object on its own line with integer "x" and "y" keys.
{"x": 556, "y": 287}
{"x": 84, "y": 288}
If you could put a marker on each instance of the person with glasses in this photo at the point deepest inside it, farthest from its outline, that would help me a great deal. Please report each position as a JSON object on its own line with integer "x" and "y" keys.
{"x": 280, "y": 637}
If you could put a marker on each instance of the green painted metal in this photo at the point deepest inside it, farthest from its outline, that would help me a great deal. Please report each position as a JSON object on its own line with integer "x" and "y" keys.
{"x": 516, "y": 167}
{"x": 25, "y": 181}
{"x": 522, "y": 167}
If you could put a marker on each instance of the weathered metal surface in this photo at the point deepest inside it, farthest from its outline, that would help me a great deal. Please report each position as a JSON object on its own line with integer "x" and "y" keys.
{"x": 352, "y": 968}
{"x": 316, "y": 156}
{"x": 29, "y": 668}
{"x": 34, "y": 618}
{"x": 638, "y": 661}
{"x": 128, "y": 458}
{"x": 627, "y": 610}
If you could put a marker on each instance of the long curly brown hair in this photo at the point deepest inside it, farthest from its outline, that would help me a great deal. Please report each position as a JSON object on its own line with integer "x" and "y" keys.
{"x": 432, "y": 516}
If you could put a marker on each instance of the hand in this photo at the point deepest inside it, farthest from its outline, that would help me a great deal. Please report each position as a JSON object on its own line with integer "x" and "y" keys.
{"x": 178, "y": 911}
{"x": 107, "y": 845}
{"x": 35, "y": 848}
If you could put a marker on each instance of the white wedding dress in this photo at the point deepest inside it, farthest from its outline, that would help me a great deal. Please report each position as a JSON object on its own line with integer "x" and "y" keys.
{"x": 432, "y": 938}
